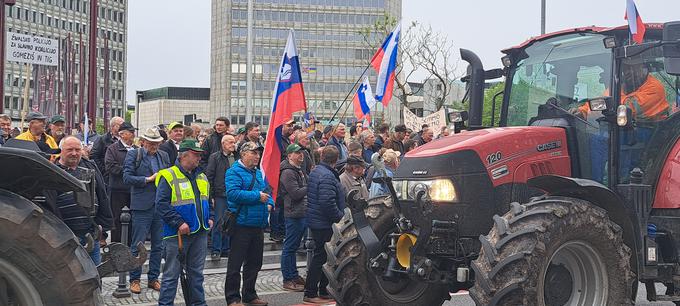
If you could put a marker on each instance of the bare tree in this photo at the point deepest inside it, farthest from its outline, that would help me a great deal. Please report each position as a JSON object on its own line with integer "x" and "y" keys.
{"x": 435, "y": 56}
{"x": 421, "y": 52}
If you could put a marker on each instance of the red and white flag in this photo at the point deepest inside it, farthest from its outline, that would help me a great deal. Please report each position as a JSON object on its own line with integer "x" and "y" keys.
{"x": 635, "y": 24}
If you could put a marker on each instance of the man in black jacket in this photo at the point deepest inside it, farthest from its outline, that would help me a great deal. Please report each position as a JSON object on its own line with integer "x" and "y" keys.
{"x": 218, "y": 163}
{"x": 98, "y": 153}
{"x": 76, "y": 217}
{"x": 113, "y": 165}
{"x": 214, "y": 143}
{"x": 175, "y": 136}
{"x": 293, "y": 191}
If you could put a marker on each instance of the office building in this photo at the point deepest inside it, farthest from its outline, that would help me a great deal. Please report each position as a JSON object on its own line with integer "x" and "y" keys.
{"x": 61, "y": 20}
{"x": 332, "y": 53}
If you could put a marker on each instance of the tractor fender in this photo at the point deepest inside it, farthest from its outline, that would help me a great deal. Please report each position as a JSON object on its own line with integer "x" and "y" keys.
{"x": 618, "y": 210}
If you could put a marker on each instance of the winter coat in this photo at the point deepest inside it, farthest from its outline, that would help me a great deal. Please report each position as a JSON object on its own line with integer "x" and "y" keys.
{"x": 325, "y": 197}
{"x": 342, "y": 148}
{"x": 170, "y": 148}
{"x": 351, "y": 183}
{"x": 98, "y": 153}
{"x": 210, "y": 145}
{"x": 253, "y": 212}
{"x": 293, "y": 190}
{"x": 308, "y": 163}
{"x": 216, "y": 170}
{"x": 395, "y": 145}
{"x": 142, "y": 193}
{"x": 113, "y": 167}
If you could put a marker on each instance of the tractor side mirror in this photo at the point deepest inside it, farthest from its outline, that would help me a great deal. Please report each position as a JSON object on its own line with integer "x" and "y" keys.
{"x": 458, "y": 116}
{"x": 671, "y": 47}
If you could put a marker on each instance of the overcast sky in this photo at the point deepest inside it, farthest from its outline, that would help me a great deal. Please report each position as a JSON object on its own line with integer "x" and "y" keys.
{"x": 169, "y": 40}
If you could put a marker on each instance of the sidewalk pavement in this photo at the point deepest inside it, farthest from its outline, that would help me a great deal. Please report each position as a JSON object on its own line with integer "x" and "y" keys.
{"x": 269, "y": 280}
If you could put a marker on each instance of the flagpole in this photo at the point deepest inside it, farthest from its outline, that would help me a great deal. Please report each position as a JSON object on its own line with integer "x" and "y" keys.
{"x": 348, "y": 94}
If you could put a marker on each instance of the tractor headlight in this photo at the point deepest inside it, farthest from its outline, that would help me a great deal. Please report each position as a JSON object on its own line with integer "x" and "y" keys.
{"x": 439, "y": 190}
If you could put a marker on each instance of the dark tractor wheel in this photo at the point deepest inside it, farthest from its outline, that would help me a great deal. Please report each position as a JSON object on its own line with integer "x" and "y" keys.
{"x": 553, "y": 251}
{"x": 41, "y": 262}
{"x": 350, "y": 280}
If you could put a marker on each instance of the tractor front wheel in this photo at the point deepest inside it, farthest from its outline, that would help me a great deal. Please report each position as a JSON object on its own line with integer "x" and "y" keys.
{"x": 352, "y": 283}
{"x": 553, "y": 251}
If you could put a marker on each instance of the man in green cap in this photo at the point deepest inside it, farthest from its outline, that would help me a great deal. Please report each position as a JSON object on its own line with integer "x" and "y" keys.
{"x": 293, "y": 194}
{"x": 57, "y": 128}
{"x": 182, "y": 200}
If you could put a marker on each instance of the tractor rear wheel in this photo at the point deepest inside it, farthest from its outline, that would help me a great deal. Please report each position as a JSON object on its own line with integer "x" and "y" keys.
{"x": 553, "y": 251}
{"x": 41, "y": 262}
{"x": 352, "y": 283}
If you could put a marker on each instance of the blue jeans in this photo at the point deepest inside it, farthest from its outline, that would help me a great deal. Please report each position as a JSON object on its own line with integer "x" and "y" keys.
{"x": 195, "y": 247}
{"x": 95, "y": 254}
{"x": 220, "y": 243}
{"x": 143, "y": 223}
{"x": 295, "y": 229}
{"x": 277, "y": 222}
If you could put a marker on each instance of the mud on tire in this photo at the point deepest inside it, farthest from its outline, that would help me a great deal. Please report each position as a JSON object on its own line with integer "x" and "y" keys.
{"x": 351, "y": 282}
{"x": 515, "y": 256}
{"x": 45, "y": 250}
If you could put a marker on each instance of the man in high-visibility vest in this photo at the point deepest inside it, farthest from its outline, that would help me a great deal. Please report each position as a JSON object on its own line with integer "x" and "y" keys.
{"x": 182, "y": 196}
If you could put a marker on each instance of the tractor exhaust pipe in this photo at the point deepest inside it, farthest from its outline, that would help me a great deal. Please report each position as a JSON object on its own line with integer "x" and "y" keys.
{"x": 475, "y": 83}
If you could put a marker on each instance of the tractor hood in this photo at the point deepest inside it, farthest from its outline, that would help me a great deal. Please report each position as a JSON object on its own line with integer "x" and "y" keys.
{"x": 27, "y": 173}
{"x": 504, "y": 154}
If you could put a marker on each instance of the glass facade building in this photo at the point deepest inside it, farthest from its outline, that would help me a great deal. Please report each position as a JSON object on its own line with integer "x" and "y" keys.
{"x": 332, "y": 53}
{"x": 57, "y": 19}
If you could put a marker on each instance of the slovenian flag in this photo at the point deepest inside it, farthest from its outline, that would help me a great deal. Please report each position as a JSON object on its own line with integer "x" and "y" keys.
{"x": 363, "y": 100}
{"x": 635, "y": 24}
{"x": 385, "y": 63}
{"x": 289, "y": 97}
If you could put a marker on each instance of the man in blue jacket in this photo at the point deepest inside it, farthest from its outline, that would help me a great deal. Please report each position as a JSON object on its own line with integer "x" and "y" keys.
{"x": 325, "y": 206}
{"x": 182, "y": 200}
{"x": 248, "y": 198}
{"x": 139, "y": 171}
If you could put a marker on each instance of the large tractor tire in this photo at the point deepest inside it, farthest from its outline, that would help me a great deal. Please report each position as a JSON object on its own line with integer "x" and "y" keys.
{"x": 41, "y": 262}
{"x": 553, "y": 251}
{"x": 351, "y": 281}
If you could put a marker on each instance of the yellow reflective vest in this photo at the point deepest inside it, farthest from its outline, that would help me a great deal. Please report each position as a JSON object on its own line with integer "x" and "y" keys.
{"x": 184, "y": 201}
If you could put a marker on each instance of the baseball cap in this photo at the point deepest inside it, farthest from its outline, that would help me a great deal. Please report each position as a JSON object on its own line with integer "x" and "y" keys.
{"x": 35, "y": 116}
{"x": 189, "y": 144}
{"x": 249, "y": 146}
{"x": 292, "y": 148}
{"x": 175, "y": 124}
{"x": 126, "y": 126}
{"x": 290, "y": 121}
{"x": 57, "y": 118}
{"x": 241, "y": 130}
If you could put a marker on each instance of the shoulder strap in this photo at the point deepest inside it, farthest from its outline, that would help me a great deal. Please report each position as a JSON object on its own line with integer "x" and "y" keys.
{"x": 252, "y": 183}
{"x": 138, "y": 159}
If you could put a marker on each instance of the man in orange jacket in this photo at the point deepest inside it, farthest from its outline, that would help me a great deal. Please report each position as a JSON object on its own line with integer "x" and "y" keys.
{"x": 641, "y": 92}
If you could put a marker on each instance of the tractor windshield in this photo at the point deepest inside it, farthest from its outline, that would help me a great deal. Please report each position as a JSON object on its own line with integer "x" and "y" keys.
{"x": 563, "y": 70}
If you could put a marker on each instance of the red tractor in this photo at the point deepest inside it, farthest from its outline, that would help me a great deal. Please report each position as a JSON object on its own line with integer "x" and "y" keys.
{"x": 588, "y": 139}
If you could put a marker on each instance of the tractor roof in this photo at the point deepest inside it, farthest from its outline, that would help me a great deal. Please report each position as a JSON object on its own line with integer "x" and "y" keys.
{"x": 590, "y": 29}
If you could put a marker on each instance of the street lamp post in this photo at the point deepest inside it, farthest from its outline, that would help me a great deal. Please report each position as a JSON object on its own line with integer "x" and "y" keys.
{"x": 2, "y": 50}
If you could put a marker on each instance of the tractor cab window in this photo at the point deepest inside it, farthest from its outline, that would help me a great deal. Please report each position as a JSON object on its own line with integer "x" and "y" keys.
{"x": 556, "y": 75}
{"x": 652, "y": 95}
{"x": 553, "y": 81}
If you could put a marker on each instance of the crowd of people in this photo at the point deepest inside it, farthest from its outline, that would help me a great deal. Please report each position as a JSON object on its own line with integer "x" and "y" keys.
{"x": 180, "y": 181}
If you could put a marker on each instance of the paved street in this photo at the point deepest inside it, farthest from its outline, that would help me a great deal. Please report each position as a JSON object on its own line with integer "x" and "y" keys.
{"x": 269, "y": 287}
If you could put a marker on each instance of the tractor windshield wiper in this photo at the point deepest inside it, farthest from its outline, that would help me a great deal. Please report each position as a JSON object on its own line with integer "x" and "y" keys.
{"x": 572, "y": 115}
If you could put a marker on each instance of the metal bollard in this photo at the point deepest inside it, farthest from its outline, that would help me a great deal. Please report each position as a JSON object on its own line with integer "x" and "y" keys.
{"x": 122, "y": 291}
{"x": 309, "y": 245}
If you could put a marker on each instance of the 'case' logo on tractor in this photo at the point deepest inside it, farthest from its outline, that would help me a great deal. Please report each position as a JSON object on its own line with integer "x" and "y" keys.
{"x": 549, "y": 146}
